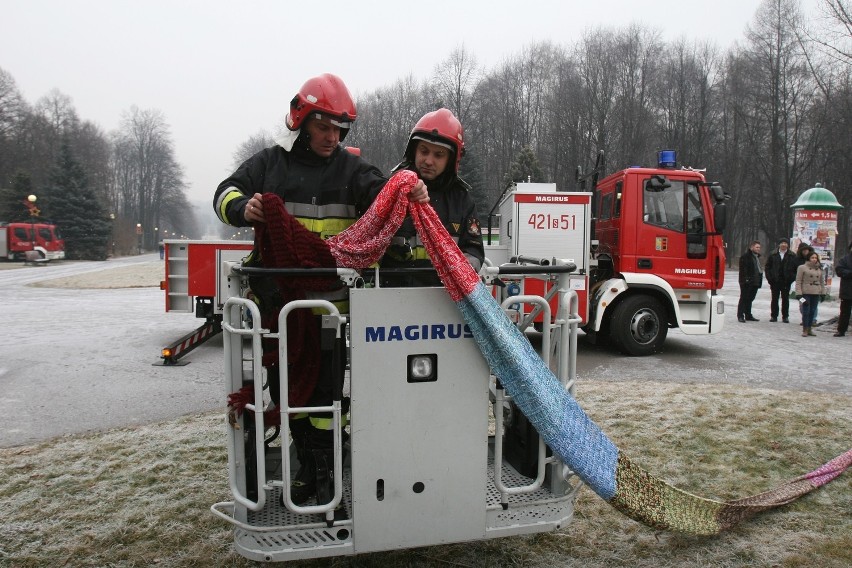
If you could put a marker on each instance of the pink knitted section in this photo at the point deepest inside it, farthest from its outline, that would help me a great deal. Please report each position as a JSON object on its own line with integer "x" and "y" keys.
{"x": 829, "y": 470}
{"x": 365, "y": 241}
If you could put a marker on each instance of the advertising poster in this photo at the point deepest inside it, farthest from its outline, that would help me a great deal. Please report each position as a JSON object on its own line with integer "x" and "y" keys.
{"x": 818, "y": 229}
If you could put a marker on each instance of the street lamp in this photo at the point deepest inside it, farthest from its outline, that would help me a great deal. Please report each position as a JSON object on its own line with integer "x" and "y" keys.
{"x": 33, "y": 214}
{"x": 112, "y": 234}
{"x": 139, "y": 237}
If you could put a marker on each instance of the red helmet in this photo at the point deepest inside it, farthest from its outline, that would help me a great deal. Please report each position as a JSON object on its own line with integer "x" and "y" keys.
{"x": 326, "y": 95}
{"x": 439, "y": 127}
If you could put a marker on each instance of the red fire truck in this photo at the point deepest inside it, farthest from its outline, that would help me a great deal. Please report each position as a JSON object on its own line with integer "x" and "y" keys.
{"x": 647, "y": 243}
{"x": 193, "y": 280}
{"x": 40, "y": 238}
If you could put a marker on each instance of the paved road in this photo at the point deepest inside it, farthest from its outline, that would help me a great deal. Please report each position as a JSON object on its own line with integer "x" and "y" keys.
{"x": 78, "y": 360}
{"x": 754, "y": 354}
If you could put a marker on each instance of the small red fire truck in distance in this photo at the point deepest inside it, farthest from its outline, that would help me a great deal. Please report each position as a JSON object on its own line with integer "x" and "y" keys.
{"x": 647, "y": 243}
{"x": 16, "y": 239}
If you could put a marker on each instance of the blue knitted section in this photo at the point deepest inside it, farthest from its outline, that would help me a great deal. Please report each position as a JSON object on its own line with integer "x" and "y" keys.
{"x": 560, "y": 421}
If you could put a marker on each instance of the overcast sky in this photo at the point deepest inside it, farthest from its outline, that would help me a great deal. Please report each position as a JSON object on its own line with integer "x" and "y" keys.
{"x": 222, "y": 70}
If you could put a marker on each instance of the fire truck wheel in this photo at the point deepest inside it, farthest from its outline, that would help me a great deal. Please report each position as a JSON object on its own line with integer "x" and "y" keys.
{"x": 639, "y": 325}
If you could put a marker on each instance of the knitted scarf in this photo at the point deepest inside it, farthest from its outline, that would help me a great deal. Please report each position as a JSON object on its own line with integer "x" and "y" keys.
{"x": 557, "y": 416}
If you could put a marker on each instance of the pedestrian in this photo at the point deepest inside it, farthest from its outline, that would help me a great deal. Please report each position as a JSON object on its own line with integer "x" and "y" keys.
{"x": 434, "y": 150}
{"x": 780, "y": 272}
{"x": 810, "y": 287}
{"x": 844, "y": 271}
{"x": 326, "y": 189}
{"x": 802, "y": 253}
{"x": 751, "y": 279}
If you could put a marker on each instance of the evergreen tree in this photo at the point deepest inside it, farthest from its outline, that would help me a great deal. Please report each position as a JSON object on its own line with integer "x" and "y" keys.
{"x": 470, "y": 170}
{"x": 12, "y": 207}
{"x": 74, "y": 206}
{"x": 525, "y": 168}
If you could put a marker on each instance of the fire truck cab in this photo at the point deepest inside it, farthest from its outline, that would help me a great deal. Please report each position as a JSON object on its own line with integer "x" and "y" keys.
{"x": 39, "y": 238}
{"x": 653, "y": 257}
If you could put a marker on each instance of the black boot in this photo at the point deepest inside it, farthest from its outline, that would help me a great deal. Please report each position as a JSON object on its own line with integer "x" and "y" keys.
{"x": 324, "y": 460}
{"x": 311, "y": 445}
{"x": 324, "y": 463}
{"x": 304, "y": 482}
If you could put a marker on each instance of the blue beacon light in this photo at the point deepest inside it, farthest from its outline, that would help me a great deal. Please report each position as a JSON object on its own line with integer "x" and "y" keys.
{"x": 667, "y": 158}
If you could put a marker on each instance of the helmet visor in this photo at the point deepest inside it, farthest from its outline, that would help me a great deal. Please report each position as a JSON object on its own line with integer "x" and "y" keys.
{"x": 335, "y": 120}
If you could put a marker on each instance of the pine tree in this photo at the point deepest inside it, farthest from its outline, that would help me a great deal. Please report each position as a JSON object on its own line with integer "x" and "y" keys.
{"x": 470, "y": 170}
{"x": 12, "y": 207}
{"x": 525, "y": 168}
{"x": 73, "y": 205}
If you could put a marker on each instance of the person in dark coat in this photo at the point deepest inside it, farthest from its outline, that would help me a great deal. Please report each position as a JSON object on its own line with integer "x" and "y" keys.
{"x": 780, "y": 272}
{"x": 434, "y": 150}
{"x": 844, "y": 271}
{"x": 751, "y": 279}
{"x": 326, "y": 188}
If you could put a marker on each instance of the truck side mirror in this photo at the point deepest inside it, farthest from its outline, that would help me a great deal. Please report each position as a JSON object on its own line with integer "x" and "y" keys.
{"x": 720, "y": 216}
{"x": 657, "y": 183}
{"x": 718, "y": 193}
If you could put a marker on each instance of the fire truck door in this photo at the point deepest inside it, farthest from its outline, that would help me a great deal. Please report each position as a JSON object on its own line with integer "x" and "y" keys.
{"x": 670, "y": 241}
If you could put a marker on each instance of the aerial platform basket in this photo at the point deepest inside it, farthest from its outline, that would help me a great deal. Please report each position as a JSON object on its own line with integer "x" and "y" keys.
{"x": 422, "y": 465}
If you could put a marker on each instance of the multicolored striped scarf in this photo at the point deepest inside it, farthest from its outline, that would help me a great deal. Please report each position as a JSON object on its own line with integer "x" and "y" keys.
{"x": 559, "y": 419}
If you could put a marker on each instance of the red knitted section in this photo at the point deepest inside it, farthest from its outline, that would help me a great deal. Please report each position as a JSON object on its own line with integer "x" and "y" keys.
{"x": 283, "y": 242}
{"x": 456, "y": 273}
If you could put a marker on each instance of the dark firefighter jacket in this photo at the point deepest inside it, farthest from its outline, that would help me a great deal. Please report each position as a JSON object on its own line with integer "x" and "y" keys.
{"x": 457, "y": 211}
{"x": 326, "y": 195}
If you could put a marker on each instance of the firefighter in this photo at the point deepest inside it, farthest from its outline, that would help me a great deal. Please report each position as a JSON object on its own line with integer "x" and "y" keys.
{"x": 326, "y": 189}
{"x": 434, "y": 151}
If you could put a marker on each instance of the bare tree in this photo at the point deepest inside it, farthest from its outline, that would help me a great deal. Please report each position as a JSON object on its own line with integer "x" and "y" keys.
{"x": 12, "y": 104}
{"x": 596, "y": 57}
{"x": 455, "y": 81}
{"x": 635, "y": 70}
{"x": 385, "y": 120}
{"x": 684, "y": 99}
{"x": 835, "y": 38}
{"x": 777, "y": 115}
{"x": 145, "y": 173}
{"x": 254, "y": 144}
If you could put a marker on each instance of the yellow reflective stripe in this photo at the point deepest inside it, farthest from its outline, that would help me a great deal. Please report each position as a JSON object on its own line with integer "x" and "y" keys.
{"x": 419, "y": 253}
{"x": 223, "y": 205}
{"x": 328, "y": 423}
{"x": 341, "y": 305}
{"x": 325, "y": 228}
{"x": 300, "y": 416}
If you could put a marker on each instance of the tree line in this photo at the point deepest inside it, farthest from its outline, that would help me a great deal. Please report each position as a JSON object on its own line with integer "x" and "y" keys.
{"x": 111, "y": 193}
{"x": 768, "y": 118}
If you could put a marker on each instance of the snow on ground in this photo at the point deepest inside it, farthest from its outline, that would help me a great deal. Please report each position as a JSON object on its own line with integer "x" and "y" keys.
{"x": 81, "y": 338}
{"x": 77, "y": 359}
